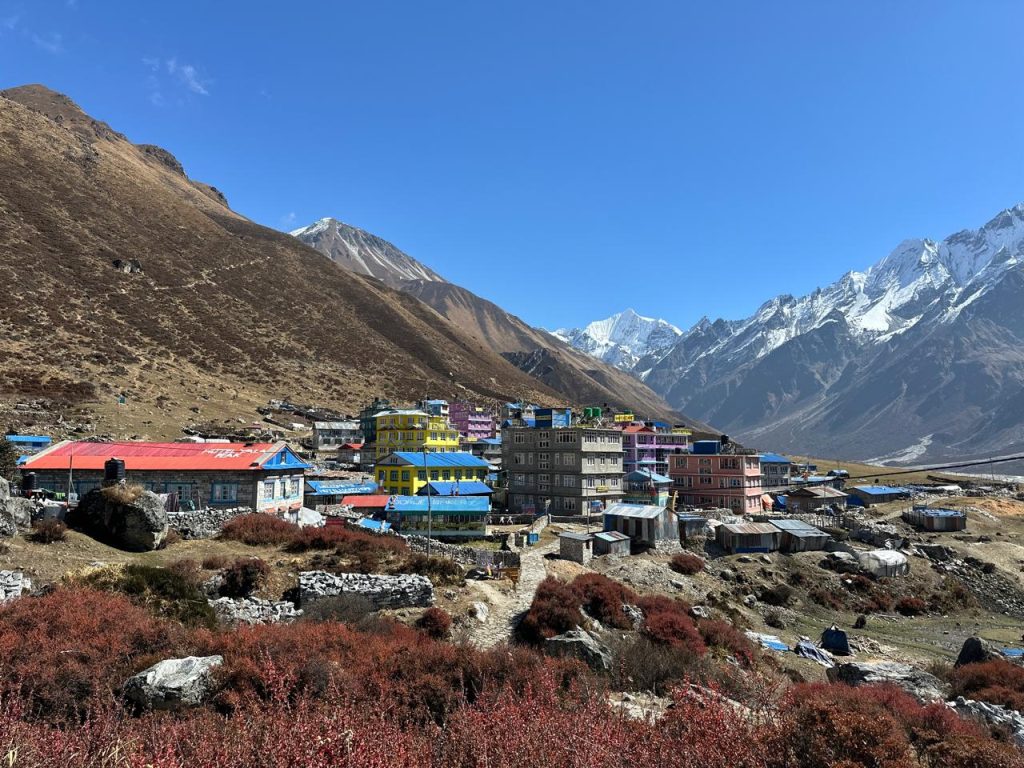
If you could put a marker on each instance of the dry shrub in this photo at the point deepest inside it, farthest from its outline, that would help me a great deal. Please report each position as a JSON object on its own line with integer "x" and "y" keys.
{"x": 165, "y": 592}
{"x": 826, "y": 597}
{"x": 778, "y": 595}
{"x": 243, "y": 577}
{"x": 215, "y": 562}
{"x": 439, "y": 570}
{"x": 722, "y": 634}
{"x": 259, "y": 530}
{"x": 346, "y": 608}
{"x": 123, "y": 493}
{"x": 996, "y": 681}
{"x": 911, "y": 606}
{"x": 172, "y": 538}
{"x": 554, "y": 610}
{"x": 686, "y": 563}
{"x": 48, "y": 531}
{"x": 436, "y": 623}
{"x": 603, "y": 599}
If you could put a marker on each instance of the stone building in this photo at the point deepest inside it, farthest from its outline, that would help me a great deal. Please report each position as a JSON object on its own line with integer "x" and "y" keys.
{"x": 330, "y": 435}
{"x": 576, "y": 469}
{"x": 265, "y": 477}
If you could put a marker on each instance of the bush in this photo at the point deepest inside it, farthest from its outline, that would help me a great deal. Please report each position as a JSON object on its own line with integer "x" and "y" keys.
{"x": 123, "y": 493}
{"x": 48, "y": 531}
{"x": 243, "y": 577}
{"x": 187, "y": 569}
{"x": 722, "y": 634}
{"x": 826, "y": 597}
{"x": 603, "y": 599}
{"x": 259, "y": 530}
{"x": 667, "y": 621}
{"x": 172, "y": 538}
{"x": 436, "y": 623}
{"x": 778, "y": 595}
{"x": 163, "y": 591}
{"x": 686, "y": 563}
{"x": 439, "y": 570}
{"x": 996, "y": 681}
{"x": 911, "y": 606}
{"x": 216, "y": 562}
{"x": 553, "y": 611}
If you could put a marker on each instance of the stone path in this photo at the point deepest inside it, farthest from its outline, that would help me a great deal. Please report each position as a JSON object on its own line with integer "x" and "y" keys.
{"x": 505, "y": 611}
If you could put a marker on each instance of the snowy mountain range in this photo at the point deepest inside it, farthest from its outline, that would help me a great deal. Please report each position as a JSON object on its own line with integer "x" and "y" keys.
{"x": 359, "y": 251}
{"x": 622, "y": 339}
{"x": 921, "y": 356}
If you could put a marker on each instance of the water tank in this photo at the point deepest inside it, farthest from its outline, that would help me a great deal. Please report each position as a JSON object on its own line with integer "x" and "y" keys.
{"x": 724, "y": 440}
{"x": 28, "y": 482}
{"x": 113, "y": 471}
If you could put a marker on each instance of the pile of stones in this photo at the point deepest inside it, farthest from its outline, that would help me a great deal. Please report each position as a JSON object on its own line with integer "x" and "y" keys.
{"x": 398, "y": 591}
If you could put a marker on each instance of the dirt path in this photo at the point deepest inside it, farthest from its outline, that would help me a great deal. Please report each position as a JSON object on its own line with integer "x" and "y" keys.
{"x": 506, "y": 610}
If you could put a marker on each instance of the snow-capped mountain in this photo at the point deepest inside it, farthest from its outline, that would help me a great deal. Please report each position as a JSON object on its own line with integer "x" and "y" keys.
{"x": 359, "y": 251}
{"x": 921, "y": 355}
{"x": 622, "y": 339}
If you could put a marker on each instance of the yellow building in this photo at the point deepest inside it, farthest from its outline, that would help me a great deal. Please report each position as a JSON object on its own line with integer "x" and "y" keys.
{"x": 405, "y": 473}
{"x": 404, "y": 431}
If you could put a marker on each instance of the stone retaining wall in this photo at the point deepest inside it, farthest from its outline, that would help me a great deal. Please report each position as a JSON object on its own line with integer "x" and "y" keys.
{"x": 13, "y": 584}
{"x": 467, "y": 556}
{"x": 252, "y": 610}
{"x": 203, "y": 523}
{"x": 400, "y": 591}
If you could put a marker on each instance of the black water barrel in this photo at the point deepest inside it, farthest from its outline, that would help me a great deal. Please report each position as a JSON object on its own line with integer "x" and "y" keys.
{"x": 113, "y": 471}
{"x": 28, "y": 482}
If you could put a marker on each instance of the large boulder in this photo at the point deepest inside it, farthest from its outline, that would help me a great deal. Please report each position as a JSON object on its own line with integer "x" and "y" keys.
{"x": 921, "y": 685}
{"x": 173, "y": 683}
{"x": 974, "y": 651}
{"x": 15, "y": 511}
{"x": 992, "y": 714}
{"x": 129, "y": 519}
{"x": 581, "y": 645}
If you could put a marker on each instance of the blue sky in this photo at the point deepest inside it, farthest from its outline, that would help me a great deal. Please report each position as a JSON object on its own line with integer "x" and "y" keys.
{"x": 569, "y": 159}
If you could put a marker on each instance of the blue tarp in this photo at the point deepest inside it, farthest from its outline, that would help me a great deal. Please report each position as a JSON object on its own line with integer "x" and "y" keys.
{"x": 1013, "y": 653}
{"x": 880, "y": 490}
{"x": 374, "y": 525}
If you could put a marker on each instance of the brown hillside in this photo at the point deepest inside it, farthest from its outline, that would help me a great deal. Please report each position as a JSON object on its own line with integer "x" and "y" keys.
{"x": 226, "y": 313}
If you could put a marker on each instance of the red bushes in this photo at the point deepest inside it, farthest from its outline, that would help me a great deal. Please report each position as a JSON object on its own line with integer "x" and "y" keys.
{"x": 243, "y": 577}
{"x": 911, "y": 606}
{"x": 603, "y": 599}
{"x": 62, "y": 651}
{"x": 997, "y": 682}
{"x": 555, "y": 609}
{"x": 259, "y": 530}
{"x": 436, "y": 623}
{"x": 686, "y": 564}
{"x": 722, "y": 634}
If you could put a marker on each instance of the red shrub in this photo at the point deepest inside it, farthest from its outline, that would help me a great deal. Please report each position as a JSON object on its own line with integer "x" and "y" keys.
{"x": 722, "y": 634}
{"x": 554, "y": 610}
{"x": 436, "y": 622}
{"x": 259, "y": 530}
{"x": 686, "y": 563}
{"x": 676, "y": 630}
{"x": 216, "y": 562}
{"x": 911, "y": 606}
{"x": 603, "y": 599}
{"x": 243, "y": 577}
{"x": 62, "y": 649}
{"x": 997, "y": 682}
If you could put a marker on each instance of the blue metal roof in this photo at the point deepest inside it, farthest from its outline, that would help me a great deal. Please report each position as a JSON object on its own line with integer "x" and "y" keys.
{"x": 441, "y": 505}
{"x": 643, "y": 475}
{"x": 454, "y": 459}
{"x": 457, "y": 488}
{"x": 774, "y": 458}
{"x": 489, "y": 440}
{"x": 336, "y": 488}
{"x": 374, "y": 525}
{"x": 28, "y": 439}
{"x": 938, "y": 512}
{"x": 285, "y": 459}
{"x": 878, "y": 490}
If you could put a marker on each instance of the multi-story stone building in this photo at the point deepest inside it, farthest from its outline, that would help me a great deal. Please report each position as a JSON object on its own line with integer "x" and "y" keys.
{"x": 368, "y": 419}
{"x": 774, "y": 472}
{"x": 328, "y": 435}
{"x": 572, "y": 468}
{"x": 714, "y": 476}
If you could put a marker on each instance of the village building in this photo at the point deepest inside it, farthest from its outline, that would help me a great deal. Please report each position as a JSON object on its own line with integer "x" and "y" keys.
{"x": 717, "y": 476}
{"x": 568, "y": 471}
{"x": 404, "y": 473}
{"x": 810, "y": 498}
{"x": 456, "y": 488}
{"x": 578, "y": 547}
{"x": 611, "y": 543}
{"x": 325, "y": 493}
{"x": 368, "y": 419}
{"x": 266, "y": 477}
{"x": 351, "y": 455}
{"x": 443, "y": 517}
{"x": 486, "y": 448}
{"x": 774, "y": 472}
{"x": 471, "y": 421}
{"x": 646, "y": 525}
{"x": 798, "y": 536}
{"x": 642, "y": 486}
{"x": 369, "y": 505}
{"x": 403, "y": 431}
{"x": 28, "y": 445}
{"x": 737, "y": 538}
{"x": 328, "y": 435}
{"x": 436, "y": 408}
{"x": 878, "y": 494}
{"x": 691, "y": 527}
{"x": 936, "y": 519}
{"x": 647, "y": 446}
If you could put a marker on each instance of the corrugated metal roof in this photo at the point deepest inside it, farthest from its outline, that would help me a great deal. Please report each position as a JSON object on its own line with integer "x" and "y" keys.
{"x": 622, "y": 509}
{"x": 792, "y": 525}
{"x": 138, "y": 456}
{"x": 820, "y": 491}
{"x": 774, "y": 458}
{"x": 19, "y": 439}
{"x": 611, "y": 536}
{"x": 879, "y": 490}
{"x": 750, "y": 528}
{"x": 440, "y": 504}
{"x": 336, "y": 425}
{"x": 575, "y": 536}
{"x": 416, "y": 459}
{"x": 374, "y": 500}
{"x": 458, "y": 488}
{"x": 939, "y": 512}
{"x": 640, "y": 475}
{"x": 335, "y": 488}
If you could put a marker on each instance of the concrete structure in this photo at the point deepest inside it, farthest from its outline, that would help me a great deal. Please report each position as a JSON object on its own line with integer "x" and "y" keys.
{"x": 691, "y": 527}
{"x": 265, "y": 477}
{"x": 577, "y": 470}
{"x": 405, "y": 473}
{"x": 812, "y": 497}
{"x": 330, "y": 492}
{"x": 486, "y": 448}
{"x": 645, "y": 525}
{"x": 748, "y": 537}
{"x": 642, "y": 486}
{"x": 878, "y": 494}
{"x": 445, "y": 517}
{"x": 774, "y": 472}
{"x": 798, "y": 536}
{"x": 471, "y": 421}
{"x": 351, "y": 455}
{"x": 329, "y": 435}
{"x": 611, "y": 543}
{"x": 436, "y": 408}
{"x": 646, "y": 446}
{"x": 368, "y": 418}
{"x": 717, "y": 480}
{"x": 578, "y": 547}
{"x": 935, "y": 519}
{"x": 412, "y": 430}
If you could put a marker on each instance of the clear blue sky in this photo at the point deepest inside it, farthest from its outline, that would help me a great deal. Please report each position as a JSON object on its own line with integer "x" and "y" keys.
{"x": 569, "y": 159}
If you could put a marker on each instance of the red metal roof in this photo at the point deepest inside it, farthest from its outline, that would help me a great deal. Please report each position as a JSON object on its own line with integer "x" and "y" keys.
{"x": 367, "y": 500}
{"x": 154, "y": 456}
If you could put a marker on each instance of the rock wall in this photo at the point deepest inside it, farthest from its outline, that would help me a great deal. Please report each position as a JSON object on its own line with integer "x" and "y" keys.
{"x": 203, "y": 523}
{"x": 467, "y": 556}
{"x": 400, "y": 591}
{"x": 253, "y": 610}
{"x": 13, "y": 584}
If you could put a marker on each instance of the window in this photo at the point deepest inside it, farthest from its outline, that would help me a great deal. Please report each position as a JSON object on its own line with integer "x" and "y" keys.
{"x": 224, "y": 493}
{"x": 421, "y": 475}
{"x": 569, "y": 505}
{"x": 569, "y": 481}
{"x": 293, "y": 487}
{"x": 542, "y": 461}
{"x": 268, "y": 490}
{"x": 382, "y": 476}
{"x": 458, "y": 474}
{"x": 519, "y": 478}
{"x": 405, "y": 475}
{"x": 705, "y": 480}
{"x": 519, "y": 437}
{"x": 544, "y": 478}
{"x": 589, "y": 482}
{"x": 615, "y": 482}
{"x": 394, "y": 475}
{"x": 566, "y": 438}
{"x": 434, "y": 475}
{"x": 591, "y": 461}
{"x": 544, "y": 440}
{"x": 446, "y": 474}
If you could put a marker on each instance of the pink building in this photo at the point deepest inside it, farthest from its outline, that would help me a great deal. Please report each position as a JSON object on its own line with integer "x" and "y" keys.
{"x": 725, "y": 480}
{"x": 648, "y": 447}
{"x": 471, "y": 420}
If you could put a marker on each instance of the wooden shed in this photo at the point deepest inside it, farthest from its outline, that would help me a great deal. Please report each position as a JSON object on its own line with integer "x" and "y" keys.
{"x": 936, "y": 519}
{"x": 798, "y": 536}
{"x": 748, "y": 537}
{"x": 611, "y": 543}
{"x": 643, "y": 523}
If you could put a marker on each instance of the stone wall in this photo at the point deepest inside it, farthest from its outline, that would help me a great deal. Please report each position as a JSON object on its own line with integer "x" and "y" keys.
{"x": 13, "y": 584}
{"x": 252, "y": 610}
{"x": 203, "y": 523}
{"x": 400, "y": 591}
{"x": 467, "y": 556}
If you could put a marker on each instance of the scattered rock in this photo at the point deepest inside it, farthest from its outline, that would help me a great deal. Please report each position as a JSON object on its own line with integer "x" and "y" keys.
{"x": 399, "y": 591}
{"x": 138, "y": 525}
{"x": 15, "y": 511}
{"x": 634, "y": 614}
{"x": 700, "y": 612}
{"x": 480, "y": 612}
{"x": 580, "y": 645}
{"x": 974, "y": 651}
{"x": 919, "y": 684}
{"x": 203, "y": 523}
{"x": 173, "y": 684}
{"x": 750, "y": 601}
{"x": 991, "y": 714}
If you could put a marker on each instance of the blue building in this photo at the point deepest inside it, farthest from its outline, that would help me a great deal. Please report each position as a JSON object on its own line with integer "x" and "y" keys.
{"x": 442, "y": 516}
